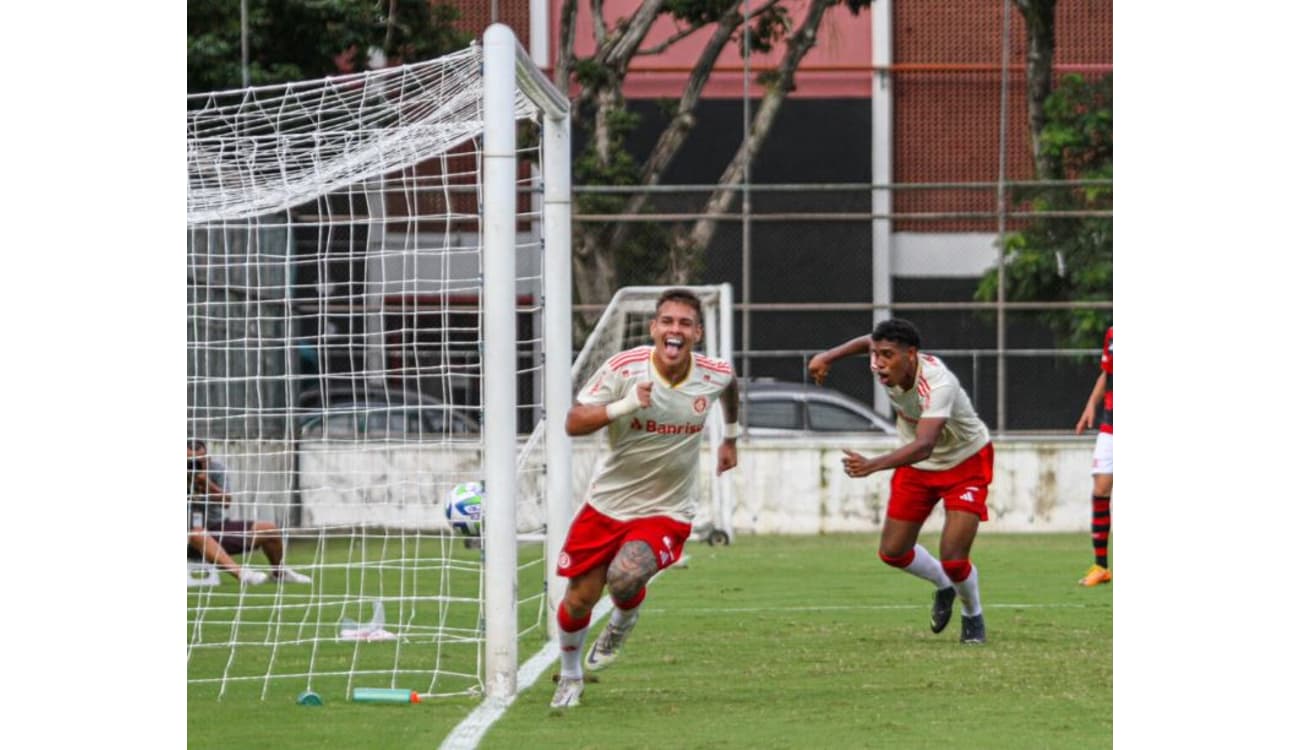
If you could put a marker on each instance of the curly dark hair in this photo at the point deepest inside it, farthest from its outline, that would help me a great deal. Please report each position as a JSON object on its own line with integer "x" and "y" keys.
{"x": 897, "y": 330}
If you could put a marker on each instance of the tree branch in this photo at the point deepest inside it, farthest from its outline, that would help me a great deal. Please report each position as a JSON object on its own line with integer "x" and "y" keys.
{"x": 674, "y": 135}
{"x": 624, "y": 43}
{"x": 564, "y": 58}
{"x": 1040, "y": 25}
{"x": 688, "y": 246}
{"x": 684, "y": 33}
{"x": 598, "y": 30}
{"x": 391, "y": 22}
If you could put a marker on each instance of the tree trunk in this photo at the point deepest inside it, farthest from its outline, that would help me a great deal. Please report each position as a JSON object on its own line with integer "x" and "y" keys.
{"x": 674, "y": 135}
{"x": 564, "y": 56}
{"x": 1040, "y": 25}
{"x": 594, "y": 276}
{"x": 688, "y": 248}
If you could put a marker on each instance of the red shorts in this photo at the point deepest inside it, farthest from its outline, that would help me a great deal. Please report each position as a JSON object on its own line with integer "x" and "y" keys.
{"x": 594, "y": 538}
{"x": 913, "y": 492}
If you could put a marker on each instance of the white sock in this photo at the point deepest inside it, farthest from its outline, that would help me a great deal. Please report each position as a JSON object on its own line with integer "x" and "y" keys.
{"x": 624, "y": 619}
{"x": 969, "y": 593}
{"x": 924, "y": 565}
{"x": 571, "y": 652}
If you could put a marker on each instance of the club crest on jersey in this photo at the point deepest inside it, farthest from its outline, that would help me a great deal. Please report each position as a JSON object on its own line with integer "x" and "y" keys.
{"x": 701, "y": 403}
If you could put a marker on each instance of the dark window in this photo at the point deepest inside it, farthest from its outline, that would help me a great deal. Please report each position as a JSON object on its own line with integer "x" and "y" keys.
{"x": 835, "y": 418}
{"x": 782, "y": 415}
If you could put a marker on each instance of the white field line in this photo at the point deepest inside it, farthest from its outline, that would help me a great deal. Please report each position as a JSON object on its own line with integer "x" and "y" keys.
{"x": 839, "y": 607}
{"x": 471, "y": 729}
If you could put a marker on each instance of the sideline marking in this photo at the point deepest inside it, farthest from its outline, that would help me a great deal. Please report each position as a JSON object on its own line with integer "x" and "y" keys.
{"x": 471, "y": 729}
{"x": 837, "y": 607}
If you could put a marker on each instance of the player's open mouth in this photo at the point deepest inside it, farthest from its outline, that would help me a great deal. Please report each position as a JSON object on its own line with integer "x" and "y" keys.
{"x": 673, "y": 345}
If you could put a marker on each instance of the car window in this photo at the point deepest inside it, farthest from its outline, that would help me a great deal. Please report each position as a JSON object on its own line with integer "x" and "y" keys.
{"x": 824, "y": 417}
{"x": 782, "y": 415}
{"x": 344, "y": 424}
{"x": 353, "y": 421}
{"x": 382, "y": 422}
{"x": 461, "y": 425}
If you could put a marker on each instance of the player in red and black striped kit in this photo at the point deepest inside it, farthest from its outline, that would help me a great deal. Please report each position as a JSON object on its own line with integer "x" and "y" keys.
{"x": 1103, "y": 471}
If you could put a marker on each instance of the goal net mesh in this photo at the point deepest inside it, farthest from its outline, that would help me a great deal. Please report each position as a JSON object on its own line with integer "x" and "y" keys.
{"x": 334, "y": 371}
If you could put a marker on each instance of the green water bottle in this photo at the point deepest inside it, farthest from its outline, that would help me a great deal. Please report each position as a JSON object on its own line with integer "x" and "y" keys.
{"x": 384, "y": 695}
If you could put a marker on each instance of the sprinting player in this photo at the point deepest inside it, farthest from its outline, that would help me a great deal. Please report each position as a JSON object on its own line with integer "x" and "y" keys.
{"x": 213, "y": 538}
{"x": 638, "y": 511}
{"x": 948, "y": 456}
{"x": 1103, "y": 463}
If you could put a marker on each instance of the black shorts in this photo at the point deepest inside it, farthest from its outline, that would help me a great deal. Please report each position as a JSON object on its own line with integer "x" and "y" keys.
{"x": 235, "y": 537}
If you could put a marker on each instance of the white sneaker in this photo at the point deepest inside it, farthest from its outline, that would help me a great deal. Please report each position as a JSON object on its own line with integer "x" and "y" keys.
{"x": 567, "y": 692}
{"x": 289, "y": 575}
{"x": 605, "y": 650}
{"x": 250, "y": 577}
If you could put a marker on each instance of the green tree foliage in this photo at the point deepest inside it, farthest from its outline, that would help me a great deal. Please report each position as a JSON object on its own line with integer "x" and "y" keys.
{"x": 1067, "y": 258}
{"x": 293, "y": 40}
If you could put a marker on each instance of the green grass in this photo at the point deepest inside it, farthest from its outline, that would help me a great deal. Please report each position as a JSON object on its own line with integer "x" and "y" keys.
{"x": 781, "y": 642}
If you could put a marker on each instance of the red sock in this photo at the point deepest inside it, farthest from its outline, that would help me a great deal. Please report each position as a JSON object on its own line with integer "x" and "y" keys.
{"x": 632, "y": 603}
{"x": 902, "y": 561}
{"x": 1100, "y": 529}
{"x": 957, "y": 570}
{"x": 569, "y": 623}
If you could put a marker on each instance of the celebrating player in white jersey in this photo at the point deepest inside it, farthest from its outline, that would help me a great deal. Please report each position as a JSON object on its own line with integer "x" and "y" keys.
{"x": 947, "y": 456}
{"x": 640, "y": 504}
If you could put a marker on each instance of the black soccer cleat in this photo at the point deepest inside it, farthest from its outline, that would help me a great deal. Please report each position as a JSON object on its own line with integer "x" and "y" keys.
{"x": 941, "y": 610}
{"x": 972, "y": 629}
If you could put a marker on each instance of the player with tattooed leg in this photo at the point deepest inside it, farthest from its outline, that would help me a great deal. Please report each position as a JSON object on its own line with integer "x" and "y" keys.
{"x": 638, "y": 510}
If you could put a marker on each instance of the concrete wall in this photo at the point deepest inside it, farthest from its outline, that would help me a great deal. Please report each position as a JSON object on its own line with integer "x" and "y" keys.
{"x": 780, "y": 487}
{"x": 799, "y": 487}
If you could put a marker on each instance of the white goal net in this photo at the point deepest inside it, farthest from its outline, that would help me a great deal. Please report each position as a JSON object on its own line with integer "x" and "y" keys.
{"x": 350, "y": 359}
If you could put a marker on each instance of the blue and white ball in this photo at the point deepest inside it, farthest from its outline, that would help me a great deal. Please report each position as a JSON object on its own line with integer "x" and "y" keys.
{"x": 465, "y": 508}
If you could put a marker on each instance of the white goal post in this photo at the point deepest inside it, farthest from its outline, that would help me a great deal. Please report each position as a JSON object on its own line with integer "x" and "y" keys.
{"x": 507, "y": 69}
{"x": 371, "y": 312}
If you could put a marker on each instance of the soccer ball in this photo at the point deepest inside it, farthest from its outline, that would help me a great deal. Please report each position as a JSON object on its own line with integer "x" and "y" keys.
{"x": 465, "y": 508}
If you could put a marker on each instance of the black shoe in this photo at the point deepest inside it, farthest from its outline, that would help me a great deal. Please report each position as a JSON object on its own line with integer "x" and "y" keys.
{"x": 941, "y": 610}
{"x": 972, "y": 629}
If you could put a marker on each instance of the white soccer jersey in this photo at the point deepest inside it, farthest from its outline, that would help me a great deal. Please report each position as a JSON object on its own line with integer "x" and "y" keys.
{"x": 653, "y": 462}
{"x": 938, "y": 393}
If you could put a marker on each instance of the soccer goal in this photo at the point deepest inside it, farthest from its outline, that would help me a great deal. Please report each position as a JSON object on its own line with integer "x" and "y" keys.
{"x": 378, "y": 309}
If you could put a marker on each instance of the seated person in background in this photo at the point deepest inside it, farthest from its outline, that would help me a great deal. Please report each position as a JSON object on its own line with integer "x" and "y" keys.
{"x": 214, "y": 539}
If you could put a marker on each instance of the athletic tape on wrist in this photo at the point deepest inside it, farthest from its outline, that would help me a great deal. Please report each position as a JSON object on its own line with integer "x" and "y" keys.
{"x": 731, "y": 431}
{"x": 623, "y": 406}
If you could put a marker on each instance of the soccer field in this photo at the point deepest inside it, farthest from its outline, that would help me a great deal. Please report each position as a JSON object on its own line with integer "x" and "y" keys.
{"x": 784, "y": 642}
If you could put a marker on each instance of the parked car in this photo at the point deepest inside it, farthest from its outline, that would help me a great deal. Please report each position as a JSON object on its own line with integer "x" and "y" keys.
{"x": 375, "y": 412}
{"x": 787, "y": 409}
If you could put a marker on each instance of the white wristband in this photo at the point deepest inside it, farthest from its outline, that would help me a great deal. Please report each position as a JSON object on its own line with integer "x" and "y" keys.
{"x": 731, "y": 431}
{"x": 623, "y": 407}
